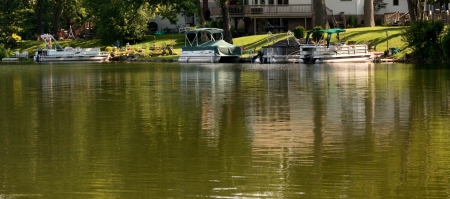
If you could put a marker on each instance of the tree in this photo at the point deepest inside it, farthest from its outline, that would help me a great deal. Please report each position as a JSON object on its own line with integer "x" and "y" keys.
{"x": 39, "y": 9}
{"x": 378, "y": 5}
{"x": 424, "y": 38}
{"x": 320, "y": 13}
{"x": 119, "y": 20}
{"x": 225, "y": 8}
{"x": 15, "y": 18}
{"x": 369, "y": 20}
{"x": 412, "y": 9}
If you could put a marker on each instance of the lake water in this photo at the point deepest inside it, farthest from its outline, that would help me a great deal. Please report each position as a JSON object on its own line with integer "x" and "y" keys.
{"x": 165, "y": 130}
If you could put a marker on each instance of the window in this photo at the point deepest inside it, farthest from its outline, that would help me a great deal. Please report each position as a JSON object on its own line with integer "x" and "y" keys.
{"x": 395, "y": 3}
{"x": 263, "y": 2}
{"x": 281, "y": 2}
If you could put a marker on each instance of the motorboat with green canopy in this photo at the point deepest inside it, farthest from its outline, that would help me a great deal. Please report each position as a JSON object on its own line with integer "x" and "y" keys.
{"x": 206, "y": 45}
{"x": 330, "y": 49}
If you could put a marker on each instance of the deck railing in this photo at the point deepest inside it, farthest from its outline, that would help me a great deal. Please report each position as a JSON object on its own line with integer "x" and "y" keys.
{"x": 249, "y": 10}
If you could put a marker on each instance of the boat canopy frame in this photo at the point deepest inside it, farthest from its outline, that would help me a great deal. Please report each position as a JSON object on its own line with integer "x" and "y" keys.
{"x": 209, "y": 31}
{"x": 329, "y": 33}
{"x": 48, "y": 39}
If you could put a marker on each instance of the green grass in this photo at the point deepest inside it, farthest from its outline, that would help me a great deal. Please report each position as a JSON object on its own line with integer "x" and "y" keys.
{"x": 372, "y": 35}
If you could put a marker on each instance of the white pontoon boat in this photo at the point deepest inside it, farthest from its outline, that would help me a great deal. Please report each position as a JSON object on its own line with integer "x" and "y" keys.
{"x": 214, "y": 50}
{"x": 327, "y": 52}
{"x": 55, "y": 53}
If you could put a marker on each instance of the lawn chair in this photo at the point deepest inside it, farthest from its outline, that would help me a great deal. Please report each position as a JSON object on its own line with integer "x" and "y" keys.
{"x": 24, "y": 54}
{"x": 181, "y": 29}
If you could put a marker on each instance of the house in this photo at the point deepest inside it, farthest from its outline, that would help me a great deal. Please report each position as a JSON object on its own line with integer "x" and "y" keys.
{"x": 159, "y": 24}
{"x": 258, "y": 15}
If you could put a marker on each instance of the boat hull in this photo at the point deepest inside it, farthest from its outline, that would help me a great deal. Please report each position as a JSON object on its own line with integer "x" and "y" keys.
{"x": 70, "y": 54}
{"x": 205, "y": 57}
{"x": 280, "y": 59}
{"x": 93, "y": 58}
{"x": 281, "y": 52}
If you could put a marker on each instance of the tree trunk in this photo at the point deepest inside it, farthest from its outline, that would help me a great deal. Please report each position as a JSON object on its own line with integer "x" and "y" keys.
{"x": 320, "y": 13}
{"x": 201, "y": 15}
{"x": 56, "y": 16}
{"x": 369, "y": 19}
{"x": 205, "y": 10}
{"x": 412, "y": 14}
{"x": 39, "y": 8}
{"x": 225, "y": 5}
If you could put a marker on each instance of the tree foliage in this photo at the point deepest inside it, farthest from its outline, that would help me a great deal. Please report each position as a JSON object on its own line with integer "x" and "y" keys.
{"x": 118, "y": 20}
{"x": 112, "y": 19}
{"x": 14, "y": 17}
{"x": 378, "y": 5}
{"x": 424, "y": 38}
{"x": 4, "y": 52}
{"x": 446, "y": 42}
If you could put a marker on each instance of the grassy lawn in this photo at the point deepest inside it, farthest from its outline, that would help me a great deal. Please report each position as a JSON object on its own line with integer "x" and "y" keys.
{"x": 372, "y": 35}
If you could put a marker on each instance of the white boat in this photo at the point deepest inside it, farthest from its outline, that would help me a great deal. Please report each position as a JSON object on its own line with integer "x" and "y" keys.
{"x": 326, "y": 52}
{"x": 210, "y": 51}
{"x": 55, "y": 53}
{"x": 284, "y": 51}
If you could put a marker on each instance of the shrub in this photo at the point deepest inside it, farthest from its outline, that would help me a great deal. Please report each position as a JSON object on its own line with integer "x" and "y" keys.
{"x": 423, "y": 38}
{"x": 216, "y": 24}
{"x": 10, "y": 41}
{"x": 16, "y": 38}
{"x": 446, "y": 43}
{"x": 108, "y": 49}
{"x": 4, "y": 52}
{"x": 352, "y": 21}
{"x": 299, "y": 32}
{"x": 378, "y": 22}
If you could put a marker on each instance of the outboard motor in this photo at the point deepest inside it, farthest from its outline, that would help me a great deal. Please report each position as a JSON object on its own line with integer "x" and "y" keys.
{"x": 260, "y": 56}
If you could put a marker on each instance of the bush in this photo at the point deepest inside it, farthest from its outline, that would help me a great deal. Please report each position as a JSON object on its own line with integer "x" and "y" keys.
{"x": 423, "y": 38}
{"x": 378, "y": 22}
{"x": 317, "y": 35}
{"x": 16, "y": 38}
{"x": 352, "y": 21}
{"x": 108, "y": 49}
{"x": 446, "y": 43}
{"x": 4, "y": 52}
{"x": 10, "y": 41}
{"x": 216, "y": 24}
{"x": 299, "y": 32}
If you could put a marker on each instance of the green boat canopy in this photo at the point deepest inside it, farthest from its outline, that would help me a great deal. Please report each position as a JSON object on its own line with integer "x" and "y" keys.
{"x": 220, "y": 47}
{"x": 328, "y": 31}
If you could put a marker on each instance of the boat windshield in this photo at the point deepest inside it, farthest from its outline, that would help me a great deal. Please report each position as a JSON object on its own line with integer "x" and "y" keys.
{"x": 49, "y": 39}
{"x": 211, "y": 34}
